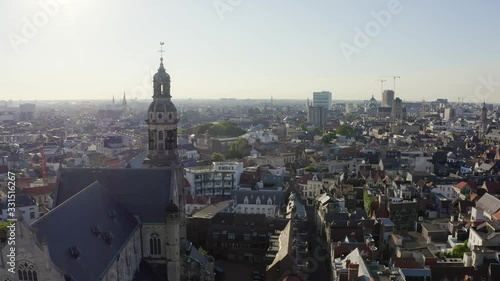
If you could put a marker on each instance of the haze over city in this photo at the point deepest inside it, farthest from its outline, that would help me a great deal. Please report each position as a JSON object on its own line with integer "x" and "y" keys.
{"x": 249, "y": 49}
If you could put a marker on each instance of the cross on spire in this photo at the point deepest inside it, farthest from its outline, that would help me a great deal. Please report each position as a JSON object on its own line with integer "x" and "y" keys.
{"x": 161, "y": 51}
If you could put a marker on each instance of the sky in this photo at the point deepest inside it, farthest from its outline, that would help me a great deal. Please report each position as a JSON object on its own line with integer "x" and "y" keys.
{"x": 287, "y": 49}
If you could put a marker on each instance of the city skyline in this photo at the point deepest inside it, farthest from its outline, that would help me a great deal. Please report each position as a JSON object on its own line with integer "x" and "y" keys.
{"x": 240, "y": 49}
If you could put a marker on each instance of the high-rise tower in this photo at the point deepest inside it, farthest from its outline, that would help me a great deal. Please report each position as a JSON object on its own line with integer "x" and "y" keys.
{"x": 387, "y": 98}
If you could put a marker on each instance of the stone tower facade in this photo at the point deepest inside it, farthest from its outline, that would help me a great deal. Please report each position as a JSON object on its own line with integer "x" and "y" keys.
{"x": 173, "y": 243}
{"x": 162, "y": 153}
{"x": 484, "y": 119}
{"x": 397, "y": 110}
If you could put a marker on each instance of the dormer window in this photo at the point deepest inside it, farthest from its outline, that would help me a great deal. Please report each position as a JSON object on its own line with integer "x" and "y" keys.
{"x": 170, "y": 116}
{"x": 245, "y": 201}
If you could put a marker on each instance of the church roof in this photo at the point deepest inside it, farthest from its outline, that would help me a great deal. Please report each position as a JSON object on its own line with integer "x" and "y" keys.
{"x": 92, "y": 222}
{"x": 143, "y": 192}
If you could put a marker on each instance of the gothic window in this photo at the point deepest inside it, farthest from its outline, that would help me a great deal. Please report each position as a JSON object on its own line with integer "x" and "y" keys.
{"x": 160, "y": 135}
{"x": 155, "y": 244}
{"x": 27, "y": 272}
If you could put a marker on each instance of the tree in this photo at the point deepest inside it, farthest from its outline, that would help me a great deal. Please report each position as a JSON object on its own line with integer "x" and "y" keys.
{"x": 328, "y": 137}
{"x": 344, "y": 130}
{"x": 203, "y": 251}
{"x": 311, "y": 169}
{"x": 368, "y": 200}
{"x": 226, "y": 128}
{"x": 459, "y": 250}
{"x": 254, "y": 111}
{"x": 3, "y": 231}
{"x": 239, "y": 149}
{"x": 217, "y": 157}
{"x": 202, "y": 128}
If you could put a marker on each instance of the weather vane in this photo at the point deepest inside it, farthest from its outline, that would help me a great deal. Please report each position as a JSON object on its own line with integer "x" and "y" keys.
{"x": 161, "y": 49}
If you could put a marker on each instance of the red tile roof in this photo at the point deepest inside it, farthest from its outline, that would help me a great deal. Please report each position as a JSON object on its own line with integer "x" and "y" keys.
{"x": 406, "y": 263}
{"x": 305, "y": 178}
{"x": 46, "y": 189}
{"x": 496, "y": 216}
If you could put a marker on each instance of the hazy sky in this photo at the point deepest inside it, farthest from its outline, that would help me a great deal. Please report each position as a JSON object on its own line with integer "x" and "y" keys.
{"x": 250, "y": 48}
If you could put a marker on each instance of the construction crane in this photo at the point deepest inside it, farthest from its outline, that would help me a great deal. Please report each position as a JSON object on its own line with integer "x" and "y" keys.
{"x": 394, "y": 77}
{"x": 381, "y": 85}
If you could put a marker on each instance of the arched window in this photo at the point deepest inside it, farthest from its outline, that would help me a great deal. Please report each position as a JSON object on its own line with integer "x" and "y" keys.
{"x": 27, "y": 272}
{"x": 155, "y": 244}
{"x": 160, "y": 135}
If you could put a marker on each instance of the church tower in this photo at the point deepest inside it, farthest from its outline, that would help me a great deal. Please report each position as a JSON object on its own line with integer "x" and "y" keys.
{"x": 173, "y": 243}
{"x": 484, "y": 119}
{"x": 162, "y": 123}
{"x": 162, "y": 153}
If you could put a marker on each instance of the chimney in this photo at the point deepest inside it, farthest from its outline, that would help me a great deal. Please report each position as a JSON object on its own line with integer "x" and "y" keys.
{"x": 429, "y": 240}
{"x": 352, "y": 275}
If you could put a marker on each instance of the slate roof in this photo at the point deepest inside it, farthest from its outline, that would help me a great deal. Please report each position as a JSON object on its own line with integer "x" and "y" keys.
{"x": 143, "y": 192}
{"x": 488, "y": 203}
{"x": 277, "y": 197}
{"x": 70, "y": 224}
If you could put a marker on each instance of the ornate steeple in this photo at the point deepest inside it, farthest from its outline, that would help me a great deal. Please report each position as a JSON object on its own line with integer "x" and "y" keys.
{"x": 124, "y": 102}
{"x": 162, "y": 121}
{"x": 484, "y": 119}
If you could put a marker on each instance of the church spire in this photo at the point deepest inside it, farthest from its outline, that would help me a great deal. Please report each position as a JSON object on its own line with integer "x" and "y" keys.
{"x": 161, "y": 80}
{"x": 124, "y": 102}
{"x": 113, "y": 99}
{"x": 162, "y": 121}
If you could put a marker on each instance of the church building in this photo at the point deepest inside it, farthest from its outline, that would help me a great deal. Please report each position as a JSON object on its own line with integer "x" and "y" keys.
{"x": 117, "y": 224}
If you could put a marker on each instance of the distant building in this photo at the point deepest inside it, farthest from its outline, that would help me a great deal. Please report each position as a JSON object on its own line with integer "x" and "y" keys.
{"x": 27, "y": 111}
{"x": 112, "y": 145}
{"x": 316, "y": 115}
{"x": 265, "y": 202}
{"x": 220, "y": 178}
{"x": 323, "y": 99}
{"x": 387, "y": 98}
{"x": 26, "y": 207}
{"x": 397, "y": 110}
{"x": 449, "y": 113}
